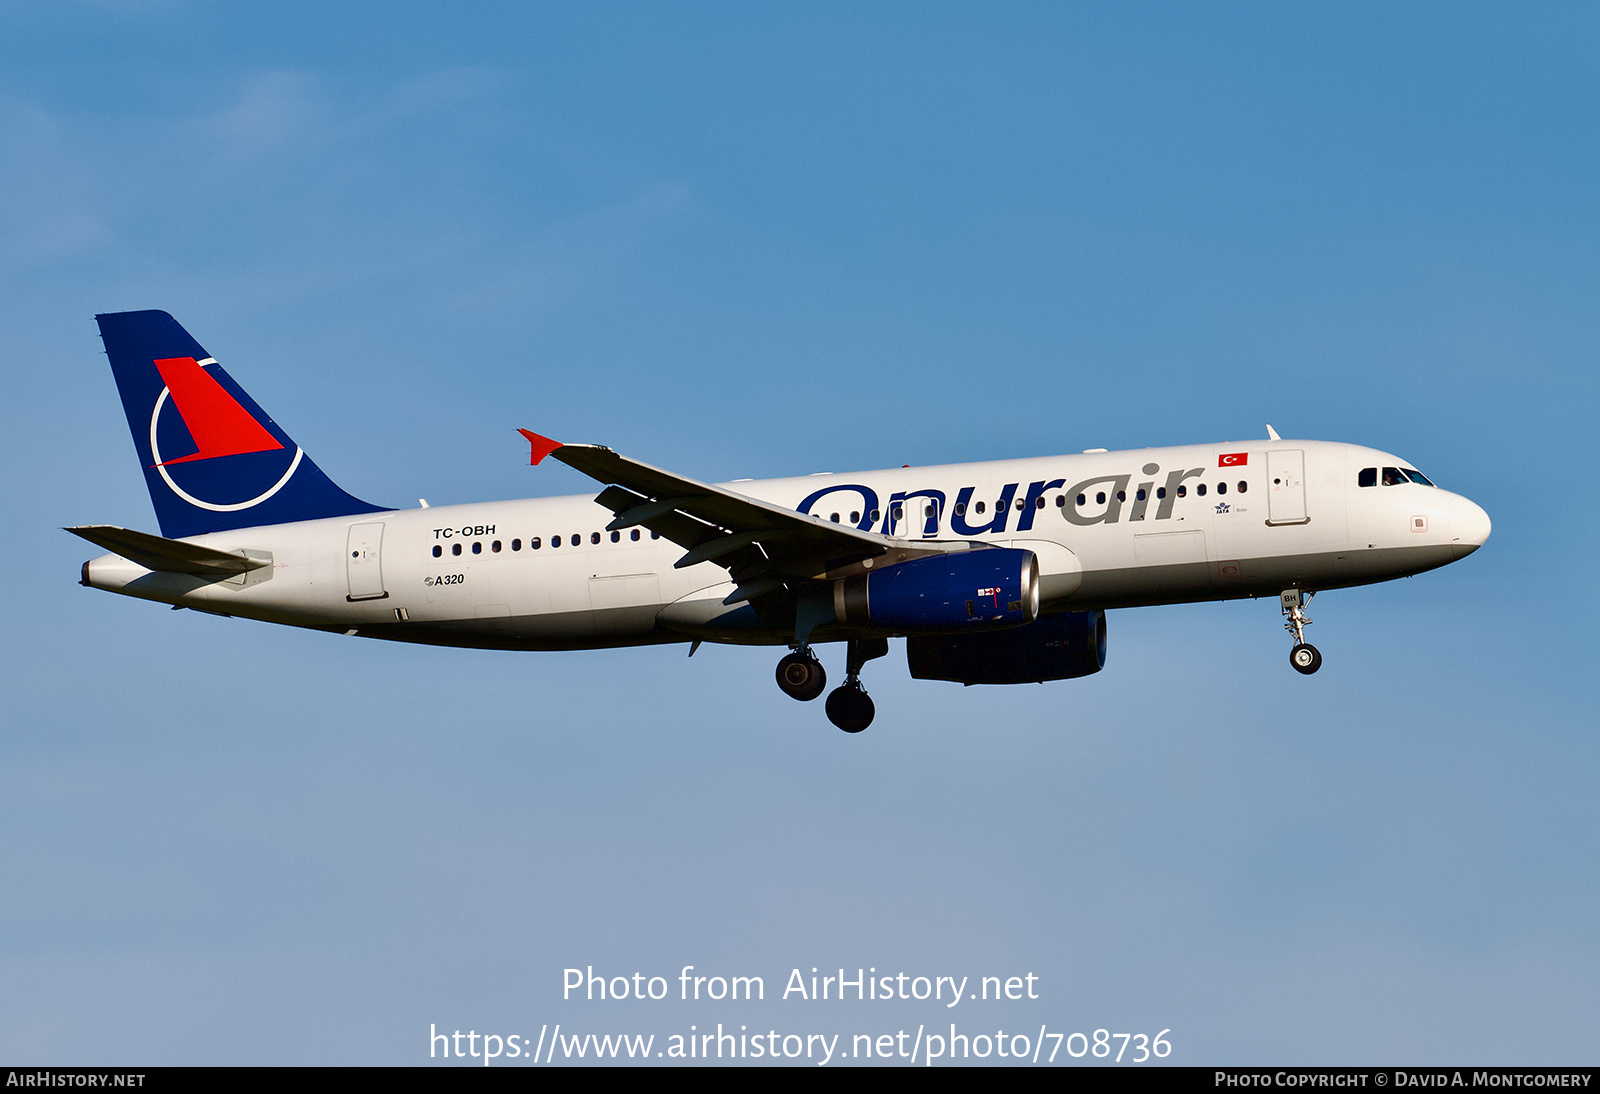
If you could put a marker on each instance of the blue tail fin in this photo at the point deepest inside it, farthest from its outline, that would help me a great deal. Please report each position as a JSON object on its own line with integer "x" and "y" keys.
{"x": 212, "y": 458}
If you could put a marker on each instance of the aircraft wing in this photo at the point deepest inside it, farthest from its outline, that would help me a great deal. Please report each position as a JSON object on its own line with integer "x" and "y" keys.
{"x": 763, "y": 546}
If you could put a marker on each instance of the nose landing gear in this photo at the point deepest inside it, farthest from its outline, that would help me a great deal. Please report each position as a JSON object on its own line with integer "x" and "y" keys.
{"x": 1304, "y": 657}
{"x": 850, "y": 707}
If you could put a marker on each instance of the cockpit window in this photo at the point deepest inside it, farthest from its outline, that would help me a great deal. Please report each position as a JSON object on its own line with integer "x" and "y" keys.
{"x": 1392, "y": 476}
{"x": 1368, "y": 477}
{"x": 1416, "y": 476}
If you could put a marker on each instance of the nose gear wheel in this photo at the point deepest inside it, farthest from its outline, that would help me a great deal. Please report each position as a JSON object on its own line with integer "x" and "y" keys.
{"x": 1305, "y": 658}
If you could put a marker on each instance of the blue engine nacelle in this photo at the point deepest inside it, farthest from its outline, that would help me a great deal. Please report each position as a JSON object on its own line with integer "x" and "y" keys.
{"x": 987, "y": 587}
{"x": 1057, "y": 647}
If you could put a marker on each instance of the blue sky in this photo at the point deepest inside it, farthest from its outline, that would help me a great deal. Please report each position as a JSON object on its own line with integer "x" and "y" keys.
{"x": 744, "y": 241}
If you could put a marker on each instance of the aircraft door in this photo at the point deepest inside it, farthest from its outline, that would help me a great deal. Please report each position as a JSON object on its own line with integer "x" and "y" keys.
{"x": 363, "y": 558}
{"x": 1286, "y": 487}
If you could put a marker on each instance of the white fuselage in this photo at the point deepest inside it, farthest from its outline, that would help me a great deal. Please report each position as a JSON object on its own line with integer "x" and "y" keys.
{"x": 1278, "y": 515}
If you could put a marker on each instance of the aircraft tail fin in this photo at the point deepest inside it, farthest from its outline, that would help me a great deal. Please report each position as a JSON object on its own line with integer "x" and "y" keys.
{"x": 213, "y": 460}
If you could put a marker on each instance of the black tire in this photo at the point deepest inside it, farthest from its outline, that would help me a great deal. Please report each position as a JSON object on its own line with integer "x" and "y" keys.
{"x": 1305, "y": 658}
{"x": 801, "y": 677}
{"x": 850, "y": 708}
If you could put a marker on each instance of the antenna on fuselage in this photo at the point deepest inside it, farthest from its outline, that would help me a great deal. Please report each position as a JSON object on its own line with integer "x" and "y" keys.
{"x": 1272, "y": 434}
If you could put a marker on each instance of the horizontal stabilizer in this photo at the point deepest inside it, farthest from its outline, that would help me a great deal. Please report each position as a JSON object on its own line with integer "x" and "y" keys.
{"x": 169, "y": 556}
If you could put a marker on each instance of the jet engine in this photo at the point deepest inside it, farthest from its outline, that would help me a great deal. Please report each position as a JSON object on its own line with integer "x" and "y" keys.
{"x": 990, "y": 587}
{"x": 1057, "y": 647}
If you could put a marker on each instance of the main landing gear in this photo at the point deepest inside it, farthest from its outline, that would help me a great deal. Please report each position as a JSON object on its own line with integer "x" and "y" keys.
{"x": 801, "y": 676}
{"x": 1304, "y": 657}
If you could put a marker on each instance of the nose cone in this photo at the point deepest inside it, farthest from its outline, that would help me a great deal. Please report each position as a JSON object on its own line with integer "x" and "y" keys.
{"x": 1472, "y": 527}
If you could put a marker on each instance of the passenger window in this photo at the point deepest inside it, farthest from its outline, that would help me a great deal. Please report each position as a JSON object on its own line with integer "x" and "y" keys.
{"x": 1019, "y": 505}
{"x": 1243, "y": 486}
{"x": 455, "y": 548}
{"x": 1082, "y": 499}
{"x": 533, "y": 544}
{"x": 555, "y": 541}
{"x": 634, "y": 535}
{"x": 437, "y": 550}
{"x": 1222, "y": 488}
{"x": 855, "y": 518}
{"x": 1140, "y": 495}
{"x": 1183, "y": 491}
{"x": 961, "y": 508}
{"x": 477, "y": 548}
{"x": 1038, "y": 503}
{"x": 1100, "y": 498}
{"x": 495, "y": 546}
{"x": 1200, "y": 490}
{"x": 834, "y": 517}
{"x": 516, "y": 545}
{"x": 1367, "y": 477}
{"x": 1061, "y": 501}
{"x": 980, "y": 508}
{"x": 1122, "y": 495}
{"x": 655, "y": 535}
{"x": 876, "y": 515}
{"x": 1392, "y": 476}
{"x": 594, "y": 537}
{"x": 897, "y": 512}
{"x": 616, "y": 537}
{"x": 1161, "y": 492}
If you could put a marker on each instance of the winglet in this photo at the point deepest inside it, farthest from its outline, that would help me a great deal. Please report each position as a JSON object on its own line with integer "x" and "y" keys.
{"x": 1272, "y": 434}
{"x": 542, "y": 446}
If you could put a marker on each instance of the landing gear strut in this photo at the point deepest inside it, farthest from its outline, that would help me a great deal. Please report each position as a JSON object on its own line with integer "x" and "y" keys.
{"x": 800, "y": 675}
{"x": 850, "y": 707}
{"x": 1304, "y": 656}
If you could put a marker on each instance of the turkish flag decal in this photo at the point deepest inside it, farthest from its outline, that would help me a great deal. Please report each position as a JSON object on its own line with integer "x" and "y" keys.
{"x": 1233, "y": 459}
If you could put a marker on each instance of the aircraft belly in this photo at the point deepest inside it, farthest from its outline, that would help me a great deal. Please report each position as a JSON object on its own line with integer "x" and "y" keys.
{"x": 591, "y": 629}
{"x": 1180, "y": 582}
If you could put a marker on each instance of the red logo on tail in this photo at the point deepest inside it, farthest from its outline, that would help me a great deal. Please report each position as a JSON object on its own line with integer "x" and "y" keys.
{"x": 216, "y": 421}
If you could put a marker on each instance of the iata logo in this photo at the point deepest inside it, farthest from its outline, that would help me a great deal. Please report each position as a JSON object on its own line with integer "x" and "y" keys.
{"x": 235, "y": 462}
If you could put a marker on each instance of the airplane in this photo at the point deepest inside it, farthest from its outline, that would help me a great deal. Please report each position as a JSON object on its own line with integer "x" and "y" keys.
{"x": 993, "y": 573}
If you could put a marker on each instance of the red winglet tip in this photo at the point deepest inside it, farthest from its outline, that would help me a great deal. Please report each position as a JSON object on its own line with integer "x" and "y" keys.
{"x": 542, "y": 446}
